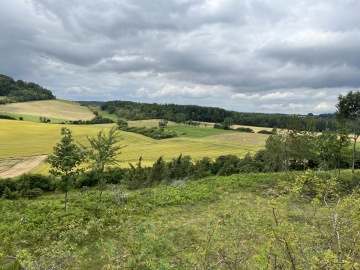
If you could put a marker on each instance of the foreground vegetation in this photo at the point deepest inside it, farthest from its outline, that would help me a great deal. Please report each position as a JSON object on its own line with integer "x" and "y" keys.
{"x": 248, "y": 221}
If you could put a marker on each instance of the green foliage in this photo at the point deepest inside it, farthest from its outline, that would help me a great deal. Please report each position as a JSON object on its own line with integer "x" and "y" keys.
{"x": 104, "y": 152}
{"x": 44, "y": 119}
{"x": 348, "y": 109}
{"x": 226, "y": 165}
{"x": 32, "y": 186}
{"x": 137, "y": 176}
{"x": 98, "y": 119}
{"x": 155, "y": 133}
{"x": 65, "y": 161}
{"x": 264, "y": 131}
{"x": 20, "y": 91}
{"x": 290, "y": 150}
{"x": 185, "y": 113}
{"x": 7, "y": 184}
{"x": 234, "y": 222}
{"x": 122, "y": 123}
{"x": 163, "y": 124}
{"x": 7, "y": 117}
{"x": 243, "y": 129}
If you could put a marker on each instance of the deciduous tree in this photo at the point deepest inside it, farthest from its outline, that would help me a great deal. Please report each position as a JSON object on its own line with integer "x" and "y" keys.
{"x": 104, "y": 152}
{"x": 65, "y": 161}
{"x": 348, "y": 109}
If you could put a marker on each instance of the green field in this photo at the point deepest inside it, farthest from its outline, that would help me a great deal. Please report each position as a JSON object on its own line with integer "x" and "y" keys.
{"x": 21, "y": 138}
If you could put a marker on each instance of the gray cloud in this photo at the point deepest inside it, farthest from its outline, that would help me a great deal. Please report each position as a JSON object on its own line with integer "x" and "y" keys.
{"x": 240, "y": 55}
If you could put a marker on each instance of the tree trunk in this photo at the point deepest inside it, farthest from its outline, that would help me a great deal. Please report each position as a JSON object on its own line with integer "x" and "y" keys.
{"x": 354, "y": 154}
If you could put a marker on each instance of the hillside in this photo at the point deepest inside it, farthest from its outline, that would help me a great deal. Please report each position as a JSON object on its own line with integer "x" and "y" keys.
{"x": 52, "y": 109}
{"x": 244, "y": 221}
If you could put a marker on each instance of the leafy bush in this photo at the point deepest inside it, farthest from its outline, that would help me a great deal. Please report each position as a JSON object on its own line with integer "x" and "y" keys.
{"x": 154, "y": 132}
{"x": 7, "y": 117}
{"x": 243, "y": 129}
{"x": 40, "y": 181}
{"x": 96, "y": 120}
{"x": 7, "y": 183}
{"x": 264, "y": 131}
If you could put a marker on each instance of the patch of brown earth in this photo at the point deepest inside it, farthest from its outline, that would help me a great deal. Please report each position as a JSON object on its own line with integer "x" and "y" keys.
{"x": 25, "y": 165}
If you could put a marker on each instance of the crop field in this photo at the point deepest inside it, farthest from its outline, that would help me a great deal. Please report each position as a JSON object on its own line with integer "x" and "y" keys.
{"x": 24, "y": 139}
{"x": 52, "y": 109}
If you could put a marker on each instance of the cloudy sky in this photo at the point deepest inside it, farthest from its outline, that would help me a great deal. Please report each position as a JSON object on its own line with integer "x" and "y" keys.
{"x": 244, "y": 55}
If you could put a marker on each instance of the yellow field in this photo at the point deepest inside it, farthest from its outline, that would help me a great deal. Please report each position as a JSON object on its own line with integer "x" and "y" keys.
{"x": 50, "y": 109}
{"x": 20, "y": 138}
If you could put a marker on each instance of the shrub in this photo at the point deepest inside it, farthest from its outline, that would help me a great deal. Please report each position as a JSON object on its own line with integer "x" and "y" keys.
{"x": 263, "y": 131}
{"x": 7, "y": 183}
{"x": 243, "y": 129}
{"x": 36, "y": 181}
{"x": 7, "y": 117}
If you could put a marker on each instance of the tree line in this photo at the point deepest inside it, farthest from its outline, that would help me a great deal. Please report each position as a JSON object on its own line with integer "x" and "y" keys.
{"x": 20, "y": 91}
{"x": 185, "y": 113}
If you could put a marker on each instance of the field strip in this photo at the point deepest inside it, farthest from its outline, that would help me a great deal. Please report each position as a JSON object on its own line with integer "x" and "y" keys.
{"x": 24, "y": 165}
{"x": 50, "y": 109}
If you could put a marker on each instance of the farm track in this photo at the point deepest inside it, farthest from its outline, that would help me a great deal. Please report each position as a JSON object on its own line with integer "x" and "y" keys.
{"x": 22, "y": 165}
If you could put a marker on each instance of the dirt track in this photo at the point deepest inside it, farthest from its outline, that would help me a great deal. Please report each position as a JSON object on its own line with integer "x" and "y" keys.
{"x": 23, "y": 166}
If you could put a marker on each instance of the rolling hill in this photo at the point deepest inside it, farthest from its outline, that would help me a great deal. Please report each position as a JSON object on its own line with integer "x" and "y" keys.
{"x": 57, "y": 110}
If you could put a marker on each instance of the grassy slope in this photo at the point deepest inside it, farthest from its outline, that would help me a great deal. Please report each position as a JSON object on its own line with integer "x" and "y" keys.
{"x": 56, "y": 110}
{"x": 214, "y": 223}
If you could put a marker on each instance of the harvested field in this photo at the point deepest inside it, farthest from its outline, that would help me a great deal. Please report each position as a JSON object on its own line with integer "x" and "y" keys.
{"x": 50, "y": 109}
{"x": 241, "y": 138}
{"x": 16, "y": 166}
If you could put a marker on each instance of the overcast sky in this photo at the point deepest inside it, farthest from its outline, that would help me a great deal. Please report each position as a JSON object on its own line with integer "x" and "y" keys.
{"x": 244, "y": 55}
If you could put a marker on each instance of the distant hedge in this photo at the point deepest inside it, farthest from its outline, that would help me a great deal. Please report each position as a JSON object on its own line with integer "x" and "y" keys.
{"x": 7, "y": 117}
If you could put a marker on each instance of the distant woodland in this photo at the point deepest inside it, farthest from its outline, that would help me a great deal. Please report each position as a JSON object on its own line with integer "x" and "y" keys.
{"x": 20, "y": 91}
{"x": 188, "y": 113}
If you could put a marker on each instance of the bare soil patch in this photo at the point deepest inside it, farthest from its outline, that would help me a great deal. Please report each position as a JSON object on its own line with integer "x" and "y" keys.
{"x": 12, "y": 167}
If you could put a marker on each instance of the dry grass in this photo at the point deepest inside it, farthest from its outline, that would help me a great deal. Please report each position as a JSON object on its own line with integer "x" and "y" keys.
{"x": 148, "y": 123}
{"x": 49, "y": 108}
{"x": 250, "y": 139}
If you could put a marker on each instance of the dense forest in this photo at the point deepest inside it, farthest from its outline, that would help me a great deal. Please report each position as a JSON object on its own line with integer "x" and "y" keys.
{"x": 20, "y": 91}
{"x": 183, "y": 113}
